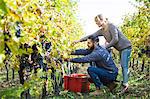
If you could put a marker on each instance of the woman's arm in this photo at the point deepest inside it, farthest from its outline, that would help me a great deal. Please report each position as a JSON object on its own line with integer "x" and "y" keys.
{"x": 114, "y": 32}
{"x": 97, "y": 33}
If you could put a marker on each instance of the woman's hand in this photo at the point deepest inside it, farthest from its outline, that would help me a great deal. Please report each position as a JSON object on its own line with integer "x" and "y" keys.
{"x": 75, "y": 42}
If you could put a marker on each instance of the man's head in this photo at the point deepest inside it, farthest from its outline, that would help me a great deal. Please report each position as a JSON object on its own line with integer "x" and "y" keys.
{"x": 100, "y": 20}
{"x": 92, "y": 42}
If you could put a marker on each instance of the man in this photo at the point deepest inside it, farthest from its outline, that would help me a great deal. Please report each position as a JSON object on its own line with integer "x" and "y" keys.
{"x": 105, "y": 67}
{"x": 116, "y": 39}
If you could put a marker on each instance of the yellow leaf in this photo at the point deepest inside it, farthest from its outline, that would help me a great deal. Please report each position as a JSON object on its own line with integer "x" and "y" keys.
{"x": 29, "y": 50}
{"x": 26, "y": 85}
{"x": 65, "y": 55}
{"x": 49, "y": 71}
{"x": 2, "y": 57}
{"x": 13, "y": 13}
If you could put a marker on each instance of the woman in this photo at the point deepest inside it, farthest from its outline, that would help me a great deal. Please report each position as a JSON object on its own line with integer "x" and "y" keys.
{"x": 116, "y": 39}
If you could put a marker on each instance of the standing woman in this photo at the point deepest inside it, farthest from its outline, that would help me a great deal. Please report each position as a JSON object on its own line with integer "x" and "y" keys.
{"x": 116, "y": 39}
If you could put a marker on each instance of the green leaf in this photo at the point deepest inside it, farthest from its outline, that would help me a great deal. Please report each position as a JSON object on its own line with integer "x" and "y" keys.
{"x": 3, "y": 6}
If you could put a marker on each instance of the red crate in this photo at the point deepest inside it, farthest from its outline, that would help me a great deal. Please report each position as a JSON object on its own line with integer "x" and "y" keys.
{"x": 77, "y": 83}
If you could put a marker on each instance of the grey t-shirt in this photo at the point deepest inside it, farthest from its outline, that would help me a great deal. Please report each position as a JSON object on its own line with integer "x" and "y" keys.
{"x": 113, "y": 36}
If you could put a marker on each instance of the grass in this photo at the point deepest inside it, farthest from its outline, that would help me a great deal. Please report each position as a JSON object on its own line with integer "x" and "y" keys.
{"x": 9, "y": 89}
{"x": 3, "y": 75}
{"x": 10, "y": 93}
{"x": 139, "y": 89}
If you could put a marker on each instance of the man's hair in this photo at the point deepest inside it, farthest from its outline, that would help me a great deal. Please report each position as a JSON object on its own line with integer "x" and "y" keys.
{"x": 94, "y": 38}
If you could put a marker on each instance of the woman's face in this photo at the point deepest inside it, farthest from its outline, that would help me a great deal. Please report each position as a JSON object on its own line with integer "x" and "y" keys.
{"x": 100, "y": 21}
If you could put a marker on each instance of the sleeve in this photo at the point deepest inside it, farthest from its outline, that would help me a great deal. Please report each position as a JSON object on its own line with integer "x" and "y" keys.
{"x": 86, "y": 59}
{"x": 97, "y": 33}
{"x": 114, "y": 32}
{"x": 81, "y": 52}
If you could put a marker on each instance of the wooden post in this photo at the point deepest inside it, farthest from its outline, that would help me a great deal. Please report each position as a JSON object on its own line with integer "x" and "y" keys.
{"x": 133, "y": 64}
{"x": 13, "y": 74}
{"x": 137, "y": 63}
{"x": 143, "y": 63}
{"x": 130, "y": 63}
{"x": 148, "y": 70}
{"x": 7, "y": 71}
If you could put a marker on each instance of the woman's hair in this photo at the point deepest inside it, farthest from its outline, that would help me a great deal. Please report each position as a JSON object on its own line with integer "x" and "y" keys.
{"x": 101, "y": 17}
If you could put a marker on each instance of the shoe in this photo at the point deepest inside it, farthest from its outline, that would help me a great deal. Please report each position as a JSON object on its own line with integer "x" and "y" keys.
{"x": 124, "y": 89}
{"x": 112, "y": 86}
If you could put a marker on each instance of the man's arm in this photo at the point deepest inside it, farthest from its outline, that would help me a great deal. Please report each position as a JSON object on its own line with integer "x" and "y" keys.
{"x": 86, "y": 59}
{"x": 115, "y": 34}
{"x": 81, "y": 52}
{"x": 97, "y": 33}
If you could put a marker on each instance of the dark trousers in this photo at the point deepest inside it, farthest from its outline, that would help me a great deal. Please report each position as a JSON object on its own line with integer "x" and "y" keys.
{"x": 101, "y": 76}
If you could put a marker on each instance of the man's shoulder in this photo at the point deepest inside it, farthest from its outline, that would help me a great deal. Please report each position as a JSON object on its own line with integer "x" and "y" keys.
{"x": 100, "y": 49}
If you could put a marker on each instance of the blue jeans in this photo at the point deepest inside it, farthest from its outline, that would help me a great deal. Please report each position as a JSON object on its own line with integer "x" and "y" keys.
{"x": 101, "y": 76}
{"x": 125, "y": 57}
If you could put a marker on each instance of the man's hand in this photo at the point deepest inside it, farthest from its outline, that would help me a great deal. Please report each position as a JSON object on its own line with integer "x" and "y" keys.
{"x": 30, "y": 62}
{"x": 66, "y": 59}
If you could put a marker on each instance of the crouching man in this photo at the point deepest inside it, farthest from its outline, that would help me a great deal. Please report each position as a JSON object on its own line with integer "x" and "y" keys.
{"x": 104, "y": 72}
